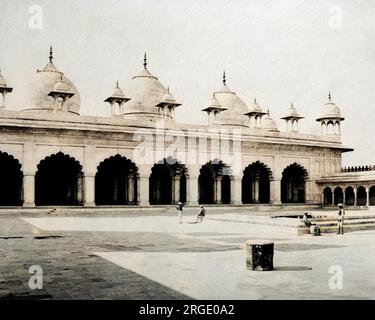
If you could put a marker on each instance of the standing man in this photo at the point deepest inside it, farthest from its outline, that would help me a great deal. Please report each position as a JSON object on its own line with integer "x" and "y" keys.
{"x": 340, "y": 219}
{"x": 179, "y": 210}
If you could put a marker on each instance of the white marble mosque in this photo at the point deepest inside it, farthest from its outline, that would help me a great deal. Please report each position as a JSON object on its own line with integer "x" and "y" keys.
{"x": 50, "y": 155}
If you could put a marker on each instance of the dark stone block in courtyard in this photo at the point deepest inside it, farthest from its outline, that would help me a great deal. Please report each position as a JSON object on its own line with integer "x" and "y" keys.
{"x": 259, "y": 255}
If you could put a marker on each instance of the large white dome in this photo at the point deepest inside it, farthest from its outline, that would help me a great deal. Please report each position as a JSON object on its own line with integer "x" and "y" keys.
{"x": 146, "y": 92}
{"x": 235, "y": 107}
{"x": 42, "y": 84}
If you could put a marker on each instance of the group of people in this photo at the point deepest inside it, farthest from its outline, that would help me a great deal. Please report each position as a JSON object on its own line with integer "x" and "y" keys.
{"x": 315, "y": 230}
{"x": 201, "y": 213}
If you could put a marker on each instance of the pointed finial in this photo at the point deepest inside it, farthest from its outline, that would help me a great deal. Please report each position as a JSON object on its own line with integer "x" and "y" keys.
{"x": 329, "y": 96}
{"x": 117, "y": 86}
{"x": 0, "y": 72}
{"x": 291, "y": 105}
{"x": 268, "y": 111}
{"x": 168, "y": 90}
{"x": 50, "y": 54}
{"x": 255, "y": 100}
{"x": 224, "y": 78}
{"x": 145, "y": 61}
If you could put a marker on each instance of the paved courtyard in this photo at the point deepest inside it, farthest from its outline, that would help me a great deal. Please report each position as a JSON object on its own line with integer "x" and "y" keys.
{"x": 132, "y": 256}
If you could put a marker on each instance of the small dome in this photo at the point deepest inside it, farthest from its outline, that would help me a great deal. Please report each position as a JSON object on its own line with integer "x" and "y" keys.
{"x": 169, "y": 98}
{"x": 3, "y": 82}
{"x": 60, "y": 86}
{"x": 117, "y": 92}
{"x": 292, "y": 113}
{"x": 45, "y": 81}
{"x": 117, "y": 96}
{"x": 215, "y": 108}
{"x": 255, "y": 107}
{"x": 330, "y": 111}
{"x": 215, "y": 103}
{"x": 268, "y": 123}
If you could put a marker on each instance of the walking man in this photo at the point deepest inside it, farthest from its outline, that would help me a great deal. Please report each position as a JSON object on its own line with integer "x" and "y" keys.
{"x": 179, "y": 210}
{"x": 340, "y": 219}
{"x": 201, "y": 214}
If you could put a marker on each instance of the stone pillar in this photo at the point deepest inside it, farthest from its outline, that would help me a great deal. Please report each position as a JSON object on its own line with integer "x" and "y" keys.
{"x": 192, "y": 190}
{"x": 80, "y": 190}
{"x": 333, "y": 198}
{"x": 116, "y": 189}
{"x": 173, "y": 181}
{"x": 308, "y": 191}
{"x": 272, "y": 191}
{"x": 89, "y": 194}
{"x": 275, "y": 187}
{"x": 127, "y": 195}
{"x": 177, "y": 180}
{"x": 289, "y": 191}
{"x": 119, "y": 108}
{"x": 343, "y": 196}
{"x": 252, "y": 191}
{"x": 2, "y": 100}
{"x": 29, "y": 190}
{"x": 235, "y": 191}
{"x": 367, "y": 197}
{"x": 130, "y": 190}
{"x": 355, "y": 197}
{"x": 256, "y": 188}
{"x": 143, "y": 191}
{"x": 215, "y": 190}
{"x": 113, "y": 111}
{"x": 218, "y": 181}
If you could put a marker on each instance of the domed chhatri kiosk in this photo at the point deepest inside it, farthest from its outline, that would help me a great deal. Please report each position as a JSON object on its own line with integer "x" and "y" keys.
{"x": 50, "y": 155}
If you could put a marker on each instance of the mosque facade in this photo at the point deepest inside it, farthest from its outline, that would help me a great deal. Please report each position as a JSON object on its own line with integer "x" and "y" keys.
{"x": 50, "y": 155}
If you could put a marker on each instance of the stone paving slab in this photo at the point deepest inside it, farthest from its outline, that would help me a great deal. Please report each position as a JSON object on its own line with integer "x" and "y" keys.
{"x": 154, "y": 257}
{"x": 224, "y": 276}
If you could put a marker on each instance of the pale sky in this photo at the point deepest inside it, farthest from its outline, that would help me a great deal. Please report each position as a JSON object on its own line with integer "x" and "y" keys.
{"x": 278, "y": 51}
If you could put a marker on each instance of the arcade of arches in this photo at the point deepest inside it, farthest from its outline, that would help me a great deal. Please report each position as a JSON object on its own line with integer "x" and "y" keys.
{"x": 351, "y": 195}
{"x": 59, "y": 180}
